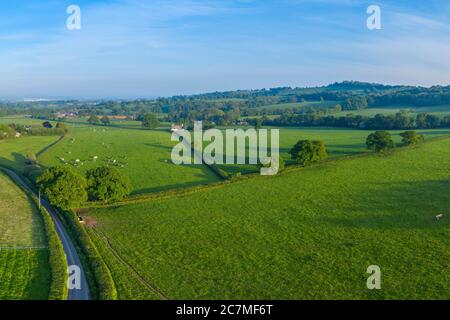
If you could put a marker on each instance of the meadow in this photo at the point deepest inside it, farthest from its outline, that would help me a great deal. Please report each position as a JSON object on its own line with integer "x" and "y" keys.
{"x": 339, "y": 142}
{"x": 24, "y": 266}
{"x": 308, "y": 233}
{"x": 443, "y": 110}
{"x": 143, "y": 155}
{"x": 296, "y": 105}
{"x": 13, "y": 152}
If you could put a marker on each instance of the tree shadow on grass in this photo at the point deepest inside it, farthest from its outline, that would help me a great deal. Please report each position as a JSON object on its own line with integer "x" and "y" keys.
{"x": 408, "y": 205}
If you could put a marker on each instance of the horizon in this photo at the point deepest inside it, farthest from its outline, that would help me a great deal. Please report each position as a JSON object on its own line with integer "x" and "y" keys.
{"x": 130, "y": 49}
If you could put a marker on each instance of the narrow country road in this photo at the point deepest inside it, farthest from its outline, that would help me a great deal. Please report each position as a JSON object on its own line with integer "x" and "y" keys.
{"x": 71, "y": 253}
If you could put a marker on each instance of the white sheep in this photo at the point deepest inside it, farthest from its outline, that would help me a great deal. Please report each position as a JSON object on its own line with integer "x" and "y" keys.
{"x": 439, "y": 217}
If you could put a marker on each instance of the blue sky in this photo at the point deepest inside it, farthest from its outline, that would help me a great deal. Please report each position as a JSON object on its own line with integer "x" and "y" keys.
{"x": 138, "y": 48}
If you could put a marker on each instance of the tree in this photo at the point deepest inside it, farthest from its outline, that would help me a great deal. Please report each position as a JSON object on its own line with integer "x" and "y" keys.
{"x": 105, "y": 121}
{"x": 47, "y": 125}
{"x": 306, "y": 152}
{"x": 107, "y": 184}
{"x": 94, "y": 120}
{"x": 63, "y": 187}
{"x": 150, "y": 121}
{"x": 258, "y": 123}
{"x": 411, "y": 138}
{"x": 380, "y": 141}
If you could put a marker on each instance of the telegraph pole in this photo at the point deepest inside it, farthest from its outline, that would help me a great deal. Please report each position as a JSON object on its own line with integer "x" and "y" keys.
{"x": 39, "y": 198}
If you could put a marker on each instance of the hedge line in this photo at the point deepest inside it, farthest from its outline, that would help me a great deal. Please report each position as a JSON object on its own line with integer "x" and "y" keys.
{"x": 219, "y": 172}
{"x": 57, "y": 259}
{"x": 98, "y": 274}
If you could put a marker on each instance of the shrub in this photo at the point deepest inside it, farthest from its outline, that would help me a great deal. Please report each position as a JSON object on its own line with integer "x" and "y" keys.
{"x": 411, "y": 138}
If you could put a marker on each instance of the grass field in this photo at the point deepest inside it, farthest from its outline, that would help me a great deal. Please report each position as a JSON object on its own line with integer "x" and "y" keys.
{"x": 143, "y": 155}
{"x": 13, "y": 152}
{"x": 315, "y": 104}
{"x": 443, "y": 110}
{"x": 306, "y": 234}
{"x": 24, "y": 268}
{"x": 339, "y": 142}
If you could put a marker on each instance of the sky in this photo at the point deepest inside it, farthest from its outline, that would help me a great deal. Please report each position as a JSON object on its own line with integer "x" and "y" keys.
{"x": 147, "y": 48}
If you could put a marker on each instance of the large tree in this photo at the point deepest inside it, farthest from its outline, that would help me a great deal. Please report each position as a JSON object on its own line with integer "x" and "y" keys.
{"x": 306, "y": 152}
{"x": 107, "y": 184}
{"x": 380, "y": 141}
{"x": 150, "y": 121}
{"x": 63, "y": 187}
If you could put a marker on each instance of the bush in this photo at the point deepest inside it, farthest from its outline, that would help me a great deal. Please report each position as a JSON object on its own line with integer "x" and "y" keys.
{"x": 411, "y": 138}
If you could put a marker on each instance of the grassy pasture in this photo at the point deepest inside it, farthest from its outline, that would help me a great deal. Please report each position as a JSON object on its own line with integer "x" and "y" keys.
{"x": 443, "y": 110}
{"x": 13, "y": 152}
{"x": 339, "y": 142}
{"x": 143, "y": 155}
{"x": 24, "y": 267}
{"x": 315, "y": 104}
{"x": 305, "y": 234}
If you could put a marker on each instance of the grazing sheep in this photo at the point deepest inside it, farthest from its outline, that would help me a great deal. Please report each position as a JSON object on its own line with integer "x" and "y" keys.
{"x": 439, "y": 217}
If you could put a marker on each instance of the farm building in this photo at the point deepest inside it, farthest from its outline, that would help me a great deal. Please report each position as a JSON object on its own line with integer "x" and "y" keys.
{"x": 176, "y": 128}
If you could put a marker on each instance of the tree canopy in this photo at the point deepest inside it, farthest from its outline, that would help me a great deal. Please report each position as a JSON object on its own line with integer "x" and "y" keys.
{"x": 107, "y": 184}
{"x": 150, "y": 121}
{"x": 380, "y": 141}
{"x": 411, "y": 138}
{"x": 306, "y": 152}
{"x": 63, "y": 187}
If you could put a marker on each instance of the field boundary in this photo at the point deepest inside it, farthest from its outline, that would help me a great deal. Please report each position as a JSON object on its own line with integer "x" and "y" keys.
{"x": 97, "y": 272}
{"x": 51, "y": 145}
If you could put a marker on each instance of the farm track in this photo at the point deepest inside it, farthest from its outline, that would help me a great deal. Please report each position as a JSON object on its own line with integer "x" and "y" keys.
{"x": 134, "y": 272}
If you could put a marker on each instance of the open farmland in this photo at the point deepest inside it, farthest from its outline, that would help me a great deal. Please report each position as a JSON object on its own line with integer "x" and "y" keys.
{"x": 13, "y": 152}
{"x": 306, "y": 234}
{"x": 24, "y": 268}
{"x": 143, "y": 155}
{"x": 297, "y": 105}
{"x": 443, "y": 110}
{"x": 339, "y": 142}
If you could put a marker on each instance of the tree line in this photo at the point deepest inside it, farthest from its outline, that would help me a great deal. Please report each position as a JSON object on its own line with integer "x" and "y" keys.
{"x": 399, "y": 121}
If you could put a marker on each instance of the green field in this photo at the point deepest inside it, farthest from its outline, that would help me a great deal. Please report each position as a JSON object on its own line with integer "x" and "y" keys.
{"x": 24, "y": 267}
{"x": 314, "y": 104}
{"x": 305, "y": 234}
{"x": 13, "y": 152}
{"x": 143, "y": 155}
{"x": 339, "y": 142}
{"x": 443, "y": 110}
